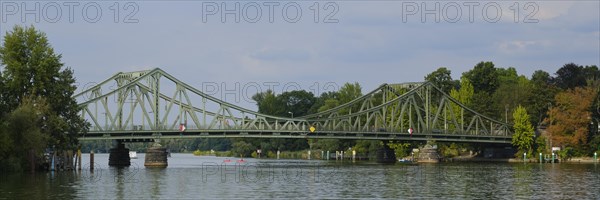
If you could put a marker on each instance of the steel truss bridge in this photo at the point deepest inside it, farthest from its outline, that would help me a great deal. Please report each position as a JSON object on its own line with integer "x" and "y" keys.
{"x": 150, "y": 105}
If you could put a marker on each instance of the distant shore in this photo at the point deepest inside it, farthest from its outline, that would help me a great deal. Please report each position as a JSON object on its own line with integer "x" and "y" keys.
{"x": 517, "y": 160}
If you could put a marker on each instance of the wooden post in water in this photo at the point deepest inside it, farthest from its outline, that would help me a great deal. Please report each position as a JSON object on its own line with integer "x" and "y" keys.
{"x": 70, "y": 159}
{"x": 79, "y": 159}
{"x": 92, "y": 160}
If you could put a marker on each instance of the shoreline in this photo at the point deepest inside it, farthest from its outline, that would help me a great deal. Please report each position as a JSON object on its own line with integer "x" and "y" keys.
{"x": 587, "y": 160}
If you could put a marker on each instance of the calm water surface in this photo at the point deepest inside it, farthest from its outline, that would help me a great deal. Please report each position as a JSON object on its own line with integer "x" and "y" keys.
{"x": 193, "y": 177}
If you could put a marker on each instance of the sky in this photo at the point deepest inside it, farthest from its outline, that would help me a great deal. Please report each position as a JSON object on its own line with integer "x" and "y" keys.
{"x": 312, "y": 45}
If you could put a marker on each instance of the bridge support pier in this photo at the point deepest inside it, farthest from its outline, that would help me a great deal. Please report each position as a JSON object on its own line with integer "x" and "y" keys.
{"x": 386, "y": 154}
{"x": 119, "y": 156}
{"x": 156, "y": 156}
{"x": 429, "y": 153}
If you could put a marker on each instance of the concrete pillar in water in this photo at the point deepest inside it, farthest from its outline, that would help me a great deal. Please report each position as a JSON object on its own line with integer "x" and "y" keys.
{"x": 156, "y": 156}
{"x": 386, "y": 154}
{"x": 119, "y": 156}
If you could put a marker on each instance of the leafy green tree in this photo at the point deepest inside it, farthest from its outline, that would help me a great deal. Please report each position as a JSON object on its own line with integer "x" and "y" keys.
{"x": 484, "y": 77}
{"x": 367, "y": 147}
{"x": 442, "y": 79}
{"x": 540, "y": 145}
{"x": 507, "y": 76}
{"x": 542, "y": 96}
{"x": 297, "y": 102}
{"x": 464, "y": 95}
{"x": 570, "y": 76}
{"x": 400, "y": 148}
{"x": 32, "y": 68}
{"x": 241, "y": 148}
{"x": 329, "y": 104}
{"x": 513, "y": 91}
{"x": 524, "y": 134}
{"x": 349, "y": 92}
{"x": 22, "y": 129}
{"x": 327, "y": 144}
{"x": 267, "y": 103}
{"x": 326, "y": 98}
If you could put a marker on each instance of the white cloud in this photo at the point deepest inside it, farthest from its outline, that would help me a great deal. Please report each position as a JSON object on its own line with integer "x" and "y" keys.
{"x": 553, "y": 9}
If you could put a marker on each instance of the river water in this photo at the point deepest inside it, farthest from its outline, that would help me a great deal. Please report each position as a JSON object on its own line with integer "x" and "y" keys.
{"x": 204, "y": 177}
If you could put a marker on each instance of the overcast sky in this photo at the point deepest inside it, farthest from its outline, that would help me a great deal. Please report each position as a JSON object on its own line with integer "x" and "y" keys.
{"x": 369, "y": 42}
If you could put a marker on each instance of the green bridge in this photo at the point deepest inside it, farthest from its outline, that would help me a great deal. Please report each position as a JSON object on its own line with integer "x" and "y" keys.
{"x": 151, "y": 105}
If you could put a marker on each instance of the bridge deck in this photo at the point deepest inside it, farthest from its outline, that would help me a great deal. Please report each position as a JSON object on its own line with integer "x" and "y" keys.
{"x": 149, "y": 135}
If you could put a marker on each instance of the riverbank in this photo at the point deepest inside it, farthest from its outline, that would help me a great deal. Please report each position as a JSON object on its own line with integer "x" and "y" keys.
{"x": 518, "y": 160}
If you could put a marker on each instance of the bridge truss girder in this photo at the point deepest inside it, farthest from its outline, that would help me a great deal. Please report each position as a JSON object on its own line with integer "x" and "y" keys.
{"x": 133, "y": 108}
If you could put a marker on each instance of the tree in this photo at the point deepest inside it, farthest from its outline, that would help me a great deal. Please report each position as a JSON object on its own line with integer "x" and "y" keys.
{"x": 541, "y": 97}
{"x": 484, "y": 77}
{"x": 541, "y": 77}
{"x": 507, "y": 76}
{"x": 524, "y": 134}
{"x": 367, "y": 147}
{"x": 297, "y": 102}
{"x": 464, "y": 95}
{"x": 327, "y": 144}
{"x": 243, "y": 149}
{"x": 569, "y": 118}
{"x": 401, "y": 149}
{"x": 31, "y": 68}
{"x": 267, "y": 103}
{"x": 349, "y": 92}
{"x": 570, "y": 76}
{"x": 442, "y": 79}
{"x": 23, "y": 132}
{"x": 323, "y": 100}
{"x": 513, "y": 91}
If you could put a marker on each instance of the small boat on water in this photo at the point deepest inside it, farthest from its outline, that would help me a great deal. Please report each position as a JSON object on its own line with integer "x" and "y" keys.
{"x": 133, "y": 155}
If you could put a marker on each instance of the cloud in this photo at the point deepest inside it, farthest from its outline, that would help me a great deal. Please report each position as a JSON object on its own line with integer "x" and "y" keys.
{"x": 520, "y": 46}
{"x": 371, "y": 44}
{"x": 281, "y": 54}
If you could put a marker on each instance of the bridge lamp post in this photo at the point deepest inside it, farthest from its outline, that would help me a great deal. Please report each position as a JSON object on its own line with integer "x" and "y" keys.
{"x": 291, "y": 113}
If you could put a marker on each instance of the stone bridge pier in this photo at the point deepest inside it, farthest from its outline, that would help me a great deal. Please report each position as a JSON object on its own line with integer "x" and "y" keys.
{"x": 156, "y": 155}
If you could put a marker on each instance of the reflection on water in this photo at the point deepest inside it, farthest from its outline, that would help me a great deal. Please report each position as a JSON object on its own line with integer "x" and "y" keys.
{"x": 195, "y": 177}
